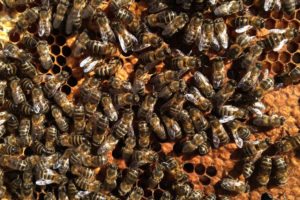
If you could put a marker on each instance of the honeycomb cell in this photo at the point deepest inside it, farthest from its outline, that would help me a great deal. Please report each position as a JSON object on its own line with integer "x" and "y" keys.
{"x": 205, "y": 180}
{"x": 55, "y": 49}
{"x": 298, "y": 15}
{"x": 282, "y": 24}
{"x": 276, "y": 14}
{"x": 72, "y": 81}
{"x": 20, "y": 9}
{"x": 66, "y": 51}
{"x": 284, "y": 57}
{"x": 164, "y": 184}
{"x": 270, "y": 24}
{"x": 158, "y": 193}
{"x": 266, "y": 196}
{"x": 188, "y": 167}
{"x": 14, "y": 37}
{"x": 262, "y": 56}
{"x": 211, "y": 171}
{"x": 296, "y": 58}
{"x": 55, "y": 69}
{"x": 147, "y": 193}
{"x": 60, "y": 40}
{"x": 248, "y": 2}
{"x": 273, "y": 56}
{"x": 252, "y": 32}
{"x": 67, "y": 69}
{"x": 289, "y": 17}
{"x": 32, "y": 28}
{"x": 294, "y": 24}
{"x": 66, "y": 89}
{"x": 156, "y": 146}
{"x": 50, "y": 39}
{"x": 277, "y": 67}
{"x": 200, "y": 169}
{"x": 61, "y": 60}
{"x": 292, "y": 47}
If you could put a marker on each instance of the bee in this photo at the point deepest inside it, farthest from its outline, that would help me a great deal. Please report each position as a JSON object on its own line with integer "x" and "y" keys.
{"x": 74, "y": 17}
{"x": 98, "y": 48}
{"x": 193, "y": 29}
{"x": 45, "y": 25}
{"x": 8, "y": 69}
{"x": 262, "y": 88}
{"x": 81, "y": 171}
{"x": 128, "y": 181}
{"x": 38, "y": 147}
{"x": 269, "y": 121}
{"x": 136, "y": 194}
{"x": 51, "y": 136}
{"x": 12, "y": 123}
{"x": 155, "y": 6}
{"x": 119, "y": 85}
{"x": 91, "y": 8}
{"x": 7, "y": 149}
{"x": 139, "y": 82}
{"x": 72, "y": 190}
{"x": 62, "y": 100}
{"x": 279, "y": 37}
{"x": 245, "y": 23}
{"x": 116, "y": 4}
{"x": 186, "y": 122}
{"x": 173, "y": 87}
{"x": 79, "y": 119}
{"x": 143, "y": 157}
{"x": 13, "y": 3}
{"x": 253, "y": 150}
{"x": 29, "y": 41}
{"x": 200, "y": 101}
{"x": 221, "y": 34}
{"x": 225, "y": 92}
{"x": 183, "y": 190}
{"x": 87, "y": 87}
{"x": 28, "y": 17}
{"x": 195, "y": 141}
{"x": 175, "y": 25}
{"x": 40, "y": 103}
{"x": 220, "y": 136}
{"x": 289, "y": 6}
{"x": 155, "y": 56}
{"x": 49, "y": 176}
{"x": 61, "y": 10}
{"x": 144, "y": 134}
{"x": 281, "y": 170}
{"x": 202, "y": 83}
{"x": 238, "y": 129}
{"x": 124, "y": 99}
{"x": 17, "y": 92}
{"x": 72, "y": 140}
{"x": 195, "y": 195}
{"x": 206, "y": 38}
{"x": 91, "y": 106}
{"x": 157, "y": 127}
{"x": 268, "y": 5}
{"x": 26, "y": 109}
{"x": 27, "y": 185}
{"x": 264, "y": 172}
{"x": 94, "y": 161}
{"x": 107, "y": 34}
{"x": 108, "y": 107}
{"x": 288, "y": 143}
{"x": 228, "y": 8}
{"x": 219, "y": 73}
{"x": 101, "y": 123}
{"x": 127, "y": 150}
{"x": 3, "y": 86}
{"x": 173, "y": 168}
{"x": 198, "y": 119}
{"x": 164, "y": 78}
{"x": 250, "y": 78}
{"x": 53, "y": 83}
{"x": 290, "y": 77}
{"x": 29, "y": 70}
{"x": 13, "y": 51}
{"x": 173, "y": 128}
{"x": 248, "y": 168}
{"x": 229, "y": 112}
{"x": 15, "y": 163}
{"x": 111, "y": 68}
{"x": 60, "y": 120}
{"x": 147, "y": 107}
{"x": 156, "y": 176}
{"x": 87, "y": 185}
{"x": 183, "y": 62}
{"x": 24, "y": 128}
{"x": 111, "y": 176}
{"x": 89, "y": 63}
{"x": 174, "y": 106}
{"x": 232, "y": 185}
{"x": 4, "y": 116}
{"x": 241, "y": 43}
{"x": 148, "y": 39}
{"x": 204, "y": 148}
{"x": 44, "y": 56}
{"x": 26, "y": 84}
{"x": 80, "y": 43}
{"x": 166, "y": 196}
{"x": 128, "y": 18}
{"x": 160, "y": 19}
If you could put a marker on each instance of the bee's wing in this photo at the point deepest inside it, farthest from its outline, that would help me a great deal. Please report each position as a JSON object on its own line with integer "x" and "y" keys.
{"x": 238, "y": 141}
{"x": 191, "y": 98}
{"x": 82, "y": 194}
{"x": 216, "y": 139}
{"x": 244, "y": 79}
{"x": 42, "y": 28}
{"x": 226, "y": 118}
{"x": 280, "y": 45}
{"x": 278, "y": 4}
{"x": 276, "y": 31}
{"x": 130, "y": 129}
{"x": 202, "y": 39}
{"x": 215, "y": 42}
{"x": 122, "y": 43}
{"x": 85, "y": 61}
{"x": 224, "y": 39}
{"x": 141, "y": 47}
{"x": 43, "y": 182}
{"x": 169, "y": 29}
{"x": 268, "y": 5}
{"x": 243, "y": 29}
{"x": 107, "y": 145}
{"x": 69, "y": 22}
{"x": 198, "y": 76}
{"x": 157, "y": 7}
{"x": 104, "y": 30}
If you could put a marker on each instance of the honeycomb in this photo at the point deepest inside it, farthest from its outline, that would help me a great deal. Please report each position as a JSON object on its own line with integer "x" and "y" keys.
{"x": 205, "y": 172}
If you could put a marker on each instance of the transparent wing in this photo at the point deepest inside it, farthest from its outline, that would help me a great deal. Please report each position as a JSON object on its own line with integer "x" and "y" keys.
{"x": 104, "y": 30}
{"x": 43, "y": 182}
{"x": 268, "y": 5}
{"x": 82, "y": 194}
{"x": 215, "y": 43}
{"x": 122, "y": 43}
{"x": 238, "y": 141}
{"x": 85, "y": 61}
{"x": 107, "y": 145}
{"x": 278, "y": 4}
{"x": 244, "y": 79}
{"x": 169, "y": 30}
{"x": 69, "y": 23}
{"x": 226, "y": 119}
{"x": 199, "y": 76}
{"x": 42, "y": 28}
{"x": 243, "y": 29}
{"x": 191, "y": 98}
{"x": 216, "y": 140}
{"x": 223, "y": 37}
{"x": 280, "y": 45}
{"x": 276, "y": 31}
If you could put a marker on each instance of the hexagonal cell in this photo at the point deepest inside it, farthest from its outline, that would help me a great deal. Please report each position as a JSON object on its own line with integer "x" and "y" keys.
{"x": 60, "y": 40}
{"x": 298, "y": 15}
{"x": 20, "y": 9}
{"x": 66, "y": 89}
{"x": 32, "y": 28}
{"x": 205, "y": 180}
{"x": 292, "y": 47}
{"x": 252, "y": 32}
{"x": 50, "y": 39}
{"x": 14, "y": 37}
{"x": 211, "y": 171}
{"x": 282, "y": 24}
{"x": 262, "y": 56}
{"x": 67, "y": 69}
{"x": 156, "y": 146}
{"x": 276, "y": 14}
{"x": 266, "y": 196}
{"x": 72, "y": 81}
{"x": 66, "y": 51}
{"x": 277, "y": 67}
{"x": 199, "y": 169}
{"x": 158, "y": 193}
{"x": 288, "y": 17}
{"x": 188, "y": 167}
{"x": 267, "y": 65}
{"x": 296, "y": 58}
{"x": 270, "y": 23}
{"x": 55, "y": 69}
{"x": 55, "y": 49}
{"x": 284, "y": 57}
{"x": 273, "y": 56}
{"x": 61, "y": 60}
{"x": 147, "y": 193}
{"x": 294, "y": 24}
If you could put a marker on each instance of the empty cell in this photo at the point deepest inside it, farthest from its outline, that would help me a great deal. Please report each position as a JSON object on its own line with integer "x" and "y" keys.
{"x": 147, "y": 193}
{"x": 72, "y": 81}
{"x": 276, "y": 14}
{"x": 282, "y": 24}
{"x": 14, "y": 37}
{"x": 284, "y": 57}
{"x": 55, "y": 49}
{"x": 273, "y": 56}
{"x": 66, "y": 89}
{"x": 277, "y": 67}
{"x": 292, "y": 47}
{"x": 270, "y": 24}
{"x": 67, "y": 69}
{"x": 66, "y": 51}
{"x": 61, "y": 60}
{"x": 296, "y": 58}
{"x": 158, "y": 193}
{"x": 188, "y": 167}
{"x": 50, "y": 39}
{"x": 60, "y": 40}
{"x": 211, "y": 171}
{"x": 55, "y": 69}
{"x": 205, "y": 180}
{"x": 200, "y": 169}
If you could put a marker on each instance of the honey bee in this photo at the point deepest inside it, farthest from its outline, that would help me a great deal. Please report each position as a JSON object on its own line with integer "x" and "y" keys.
{"x": 124, "y": 99}
{"x": 49, "y": 176}
{"x": 87, "y": 87}
{"x": 232, "y": 185}
{"x": 262, "y": 88}
{"x": 202, "y": 83}
{"x": 264, "y": 172}
{"x": 128, "y": 181}
{"x": 186, "y": 122}
{"x": 239, "y": 131}
{"x": 61, "y": 10}
{"x": 136, "y": 194}
{"x": 3, "y": 86}
{"x": 60, "y": 120}
{"x": 40, "y": 103}
{"x": 15, "y": 163}
{"x": 8, "y": 69}
{"x": 26, "y": 84}
{"x": 108, "y": 107}
{"x": 17, "y": 92}
{"x": 51, "y": 136}
{"x": 157, "y": 127}
{"x": 204, "y": 148}
{"x": 173, "y": 87}
{"x": 183, "y": 190}
{"x": 289, "y": 6}
{"x": 71, "y": 140}
{"x": 160, "y": 19}
{"x": 38, "y": 147}
{"x": 219, "y": 73}
{"x": 62, "y": 193}
{"x": 143, "y": 157}
{"x": 279, "y": 37}
{"x": 268, "y": 5}
{"x": 174, "y": 106}
{"x": 13, "y": 3}
{"x": 225, "y": 92}
{"x": 101, "y": 123}
{"x": 147, "y": 107}
{"x": 193, "y": 29}
{"x": 156, "y": 176}
{"x": 74, "y": 17}
{"x": 229, "y": 112}
{"x": 253, "y": 150}
{"x": 98, "y": 48}
{"x": 152, "y": 57}
{"x": 7, "y": 149}
{"x": 12, "y": 123}
{"x": 148, "y": 39}
{"x": 290, "y": 77}
{"x": 166, "y": 196}
{"x": 281, "y": 170}
{"x": 80, "y": 43}
{"x": 195, "y": 141}
{"x": 116, "y": 4}
{"x": 221, "y": 34}
{"x": 62, "y": 100}
{"x": 127, "y": 150}
{"x": 175, "y": 25}
{"x": 198, "y": 119}
{"x": 79, "y": 119}
{"x": 241, "y": 43}
{"x": 28, "y": 17}
{"x": 164, "y": 78}
{"x": 139, "y": 82}
{"x": 44, "y": 56}
{"x": 107, "y": 34}
{"x": 91, "y": 8}
{"x": 72, "y": 190}
{"x": 228, "y": 8}
{"x": 111, "y": 176}
{"x": 45, "y": 24}
{"x": 183, "y": 62}
{"x": 53, "y": 83}
{"x": 174, "y": 169}
{"x": 111, "y": 68}
{"x": 200, "y": 101}
{"x": 89, "y": 63}
{"x": 206, "y": 38}
{"x": 24, "y": 129}
{"x": 29, "y": 41}
{"x": 220, "y": 136}
{"x": 248, "y": 168}
{"x": 29, "y": 70}
{"x": 144, "y": 134}
{"x": 269, "y": 121}
{"x": 81, "y": 171}
{"x": 251, "y": 56}
{"x": 119, "y": 85}
{"x": 288, "y": 143}
{"x": 94, "y": 161}
{"x": 13, "y": 51}
{"x": 27, "y": 185}
{"x": 173, "y": 128}
{"x": 87, "y": 185}
{"x": 245, "y": 23}
{"x": 195, "y": 195}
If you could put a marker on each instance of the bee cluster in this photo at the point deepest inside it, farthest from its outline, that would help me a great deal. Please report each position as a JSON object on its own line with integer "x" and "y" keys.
{"x": 62, "y": 123}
